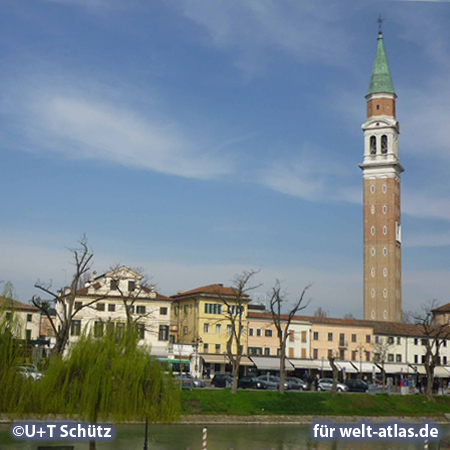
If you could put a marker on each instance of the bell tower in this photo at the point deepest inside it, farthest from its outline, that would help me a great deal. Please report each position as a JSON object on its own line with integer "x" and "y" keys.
{"x": 381, "y": 171}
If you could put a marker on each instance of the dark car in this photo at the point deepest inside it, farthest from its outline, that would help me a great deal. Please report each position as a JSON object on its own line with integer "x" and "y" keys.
{"x": 251, "y": 383}
{"x": 221, "y": 380}
{"x": 357, "y": 386}
{"x": 273, "y": 382}
{"x": 297, "y": 383}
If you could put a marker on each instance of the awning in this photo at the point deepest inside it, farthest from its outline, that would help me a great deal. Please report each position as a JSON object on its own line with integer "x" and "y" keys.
{"x": 215, "y": 359}
{"x": 418, "y": 369}
{"x": 346, "y": 366}
{"x": 440, "y": 372}
{"x": 396, "y": 368}
{"x": 366, "y": 367}
{"x": 246, "y": 361}
{"x": 310, "y": 364}
{"x": 266, "y": 363}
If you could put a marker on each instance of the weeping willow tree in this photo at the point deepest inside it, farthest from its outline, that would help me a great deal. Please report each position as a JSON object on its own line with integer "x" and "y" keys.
{"x": 109, "y": 379}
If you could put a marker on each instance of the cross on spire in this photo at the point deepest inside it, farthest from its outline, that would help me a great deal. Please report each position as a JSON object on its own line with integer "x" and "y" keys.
{"x": 379, "y": 21}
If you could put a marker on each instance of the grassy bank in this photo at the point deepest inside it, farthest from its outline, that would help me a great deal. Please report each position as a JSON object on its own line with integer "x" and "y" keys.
{"x": 247, "y": 403}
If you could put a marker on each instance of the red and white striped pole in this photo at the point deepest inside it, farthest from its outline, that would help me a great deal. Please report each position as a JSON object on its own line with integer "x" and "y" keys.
{"x": 205, "y": 438}
{"x": 426, "y": 444}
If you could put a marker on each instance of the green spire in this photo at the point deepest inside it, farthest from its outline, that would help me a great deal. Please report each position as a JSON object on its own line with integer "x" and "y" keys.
{"x": 380, "y": 81}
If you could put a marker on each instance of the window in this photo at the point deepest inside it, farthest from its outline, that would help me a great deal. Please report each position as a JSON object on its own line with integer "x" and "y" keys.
{"x": 398, "y": 232}
{"x": 330, "y": 336}
{"x": 185, "y": 309}
{"x": 111, "y": 307}
{"x": 205, "y": 348}
{"x": 384, "y": 189}
{"x": 100, "y": 306}
{"x": 258, "y": 332}
{"x": 8, "y": 316}
{"x": 342, "y": 339}
{"x": 444, "y": 343}
{"x": 372, "y": 293}
{"x": 131, "y": 286}
{"x": 140, "y": 309}
{"x": 372, "y": 209}
{"x": 353, "y": 337}
{"x": 384, "y": 144}
{"x": 367, "y": 338}
{"x": 185, "y": 330}
{"x": 384, "y": 251}
{"x": 28, "y": 335}
{"x": 110, "y": 327}
{"x": 372, "y": 231}
{"x": 423, "y": 359}
{"x": 75, "y": 328}
{"x": 384, "y": 209}
{"x": 330, "y": 353}
{"x": 377, "y": 340}
{"x": 416, "y": 359}
{"x": 372, "y": 272}
{"x": 176, "y": 310}
{"x": 250, "y": 331}
{"x": 131, "y": 309}
{"x": 255, "y": 351}
{"x": 235, "y": 310}
{"x": 372, "y": 188}
{"x": 304, "y": 337}
{"x": 141, "y": 331}
{"x": 398, "y": 358}
{"x": 113, "y": 285}
{"x": 229, "y": 330}
{"x": 354, "y": 353}
{"x": 391, "y": 357}
{"x": 444, "y": 358}
{"x": 385, "y": 272}
{"x": 399, "y": 341}
{"x": 416, "y": 341}
{"x": 163, "y": 333}
{"x": 278, "y": 351}
{"x": 213, "y": 308}
{"x": 29, "y": 317}
{"x": 268, "y": 333}
{"x": 217, "y": 348}
{"x": 316, "y": 335}
{"x": 385, "y": 293}
{"x": 206, "y": 328}
{"x": 267, "y": 351}
{"x": 423, "y": 341}
{"x": 372, "y": 251}
{"x": 120, "y": 328}
{"x": 98, "y": 329}
{"x": 218, "y": 329}
{"x": 315, "y": 353}
{"x": 373, "y": 145}
{"x": 163, "y": 311}
{"x": 385, "y": 230}
{"x": 390, "y": 340}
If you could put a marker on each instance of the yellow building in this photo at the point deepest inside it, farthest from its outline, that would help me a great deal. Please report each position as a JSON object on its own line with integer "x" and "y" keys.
{"x": 201, "y": 317}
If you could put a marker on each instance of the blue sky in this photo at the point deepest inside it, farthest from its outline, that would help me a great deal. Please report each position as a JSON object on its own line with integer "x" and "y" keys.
{"x": 197, "y": 139}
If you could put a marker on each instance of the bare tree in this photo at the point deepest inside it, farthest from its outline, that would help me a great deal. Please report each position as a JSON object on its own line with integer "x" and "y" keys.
{"x": 320, "y": 312}
{"x": 64, "y": 303}
{"x": 235, "y": 317}
{"x": 434, "y": 335}
{"x": 381, "y": 348}
{"x": 282, "y": 323}
{"x": 335, "y": 370}
{"x": 407, "y": 317}
{"x": 349, "y": 316}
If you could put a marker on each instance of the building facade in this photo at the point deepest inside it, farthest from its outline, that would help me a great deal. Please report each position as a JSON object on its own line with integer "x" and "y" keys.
{"x": 381, "y": 191}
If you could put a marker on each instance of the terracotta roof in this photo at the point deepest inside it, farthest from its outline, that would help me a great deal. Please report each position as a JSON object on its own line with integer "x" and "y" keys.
{"x": 384, "y": 328}
{"x": 8, "y": 303}
{"x": 212, "y": 289}
{"x": 443, "y": 308}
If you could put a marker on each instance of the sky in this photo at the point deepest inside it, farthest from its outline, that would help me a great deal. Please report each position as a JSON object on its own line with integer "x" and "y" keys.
{"x": 197, "y": 139}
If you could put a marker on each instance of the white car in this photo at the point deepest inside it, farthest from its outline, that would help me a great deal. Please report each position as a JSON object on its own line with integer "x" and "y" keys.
{"x": 326, "y": 384}
{"x": 29, "y": 371}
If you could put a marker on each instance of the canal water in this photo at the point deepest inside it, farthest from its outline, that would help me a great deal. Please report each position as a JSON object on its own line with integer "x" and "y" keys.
{"x": 220, "y": 437}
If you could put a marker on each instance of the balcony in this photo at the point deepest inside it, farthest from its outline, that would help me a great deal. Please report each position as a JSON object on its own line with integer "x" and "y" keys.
{"x": 343, "y": 344}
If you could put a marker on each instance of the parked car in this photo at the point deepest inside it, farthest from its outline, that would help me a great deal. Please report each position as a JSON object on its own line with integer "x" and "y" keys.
{"x": 326, "y": 384}
{"x": 195, "y": 381}
{"x": 272, "y": 382}
{"x": 357, "y": 386}
{"x": 221, "y": 379}
{"x": 297, "y": 383}
{"x": 251, "y": 383}
{"x": 29, "y": 371}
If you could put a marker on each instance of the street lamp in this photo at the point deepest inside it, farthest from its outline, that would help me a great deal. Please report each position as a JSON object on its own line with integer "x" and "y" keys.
{"x": 195, "y": 343}
{"x": 360, "y": 347}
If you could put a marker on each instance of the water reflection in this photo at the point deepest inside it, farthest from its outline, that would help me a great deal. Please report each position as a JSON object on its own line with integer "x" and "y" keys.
{"x": 220, "y": 437}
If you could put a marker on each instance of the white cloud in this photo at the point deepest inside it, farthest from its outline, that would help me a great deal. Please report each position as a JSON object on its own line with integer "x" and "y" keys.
{"x": 258, "y": 29}
{"x": 77, "y": 124}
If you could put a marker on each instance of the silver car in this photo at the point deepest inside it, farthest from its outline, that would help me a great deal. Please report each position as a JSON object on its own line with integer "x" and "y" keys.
{"x": 272, "y": 382}
{"x": 326, "y": 384}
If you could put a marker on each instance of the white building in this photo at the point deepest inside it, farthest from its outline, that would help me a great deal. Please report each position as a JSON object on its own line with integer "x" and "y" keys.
{"x": 102, "y": 305}
{"x": 28, "y": 318}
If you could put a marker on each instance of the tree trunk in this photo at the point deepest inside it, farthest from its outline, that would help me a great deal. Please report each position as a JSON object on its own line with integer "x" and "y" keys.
{"x": 235, "y": 373}
{"x": 335, "y": 376}
{"x": 92, "y": 445}
{"x": 430, "y": 379}
{"x": 61, "y": 340}
{"x": 282, "y": 371}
